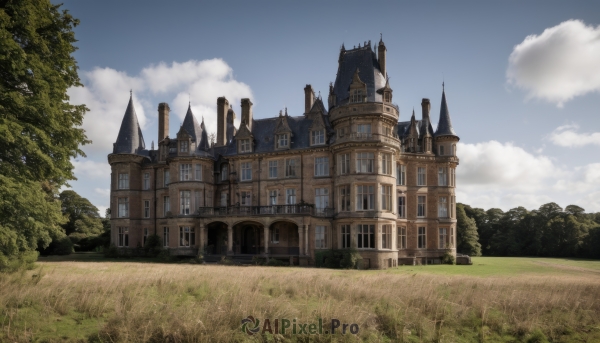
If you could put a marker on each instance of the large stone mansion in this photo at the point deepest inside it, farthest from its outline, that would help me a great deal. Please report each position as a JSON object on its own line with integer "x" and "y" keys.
{"x": 345, "y": 174}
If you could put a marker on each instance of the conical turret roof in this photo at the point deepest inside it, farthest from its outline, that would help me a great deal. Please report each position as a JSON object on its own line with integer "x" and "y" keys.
{"x": 191, "y": 126}
{"x": 130, "y": 139}
{"x": 444, "y": 127}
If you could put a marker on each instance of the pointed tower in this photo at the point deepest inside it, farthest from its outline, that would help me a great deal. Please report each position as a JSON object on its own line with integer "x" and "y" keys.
{"x": 381, "y": 52}
{"x": 130, "y": 139}
{"x": 445, "y": 137}
{"x": 191, "y": 126}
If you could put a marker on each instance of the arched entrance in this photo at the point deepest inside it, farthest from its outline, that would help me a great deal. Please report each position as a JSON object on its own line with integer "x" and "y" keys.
{"x": 284, "y": 238}
{"x": 248, "y": 238}
{"x": 216, "y": 240}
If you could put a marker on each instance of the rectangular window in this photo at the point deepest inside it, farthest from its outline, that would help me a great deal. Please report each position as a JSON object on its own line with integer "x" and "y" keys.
{"x": 402, "y": 207}
{"x": 318, "y": 137}
{"x": 386, "y": 198}
{"x": 167, "y": 177}
{"x": 183, "y": 146}
{"x": 283, "y": 141}
{"x": 356, "y": 95}
{"x": 320, "y": 237}
{"x": 185, "y": 171}
{"x": 443, "y": 238}
{"x": 402, "y": 237}
{"x": 401, "y": 177}
{"x": 272, "y": 169}
{"x": 146, "y": 208}
{"x": 166, "y": 206}
{"x": 443, "y": 207}
{"x": 187, "y": 236}
{"x": 246, "y": 171}
{"x": 345, "y": 198}
{"x": 452, "y": 177}
{"x": 165, "y": 236}
{"x": 198, "y": 172}
{"x": 364, "y": 162}
{"x": 245, "y": 198}
{"x": 365, "y": 197}
{"x": 344, "y": 164}
{"x": 365, "y": 236}
{"x": 123, "y": 236}
{"x": 123, "y": 181}
{"x": 421, "y": 208}
{"x": 123, "y": 207}
{"x": 386, "y": 164}
{"x": 346, "y": 236}
{"x": 421, "y": 238}
{"x": 442, "y": 176}
{"x": 386, "y": 236}
{"x": 321, "y": 166}
{"x": 321, "y": 199}
{"x": 185, "y": 202}
{"x": 441, "y": 150}
{"x": 223, "y": 199}
{"x": 273, "y": 197}
{"x": 244, "y": 145}
{"x": 275, "y": 235}
{"x": 364, "y": 130}
{"x": 146, "y": 181}
{"x": 290, "y": 168}
{"x": 290, "y": 196}
{"x": 224, "y": 172}
{"x": 421, "y": 181}
{"x": 145, "y": 237}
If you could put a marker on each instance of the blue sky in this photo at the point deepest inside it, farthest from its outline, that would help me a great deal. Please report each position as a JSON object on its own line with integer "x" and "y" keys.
{"x": 529, "y": 125}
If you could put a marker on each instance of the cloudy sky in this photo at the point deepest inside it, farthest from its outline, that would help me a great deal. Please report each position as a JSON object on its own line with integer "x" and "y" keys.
{"x": 522, "y": 80}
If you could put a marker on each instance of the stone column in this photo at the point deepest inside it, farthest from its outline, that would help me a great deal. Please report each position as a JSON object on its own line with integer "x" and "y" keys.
{"x": 378, "y": 236}
{"x": 300, "y": 245}
{"x": 229, "y": 240}
{"x": 305, "y": 239}
{"x": 266, "y": 232}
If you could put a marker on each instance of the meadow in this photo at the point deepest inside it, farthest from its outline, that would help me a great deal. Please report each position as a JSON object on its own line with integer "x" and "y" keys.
{"x": 85, "y": 298}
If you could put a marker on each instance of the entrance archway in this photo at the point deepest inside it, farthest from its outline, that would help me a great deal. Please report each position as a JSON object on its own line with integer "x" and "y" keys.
{"x": 216, "y": 240}
{"x": 248, "y": 238}
{"x": 284, "y": 238}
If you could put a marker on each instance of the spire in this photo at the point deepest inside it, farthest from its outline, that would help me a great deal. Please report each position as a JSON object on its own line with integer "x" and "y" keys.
{"x": 130, "y": 139}
{"x": 191, "y": 126}
{"x": 444, "y": 127}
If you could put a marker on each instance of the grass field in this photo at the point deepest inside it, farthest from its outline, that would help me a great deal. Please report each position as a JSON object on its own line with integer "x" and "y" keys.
{"x": 86, "y": 298}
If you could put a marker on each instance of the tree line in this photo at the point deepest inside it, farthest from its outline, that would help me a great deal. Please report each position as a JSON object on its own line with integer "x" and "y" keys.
{"x": 549, "y": 231}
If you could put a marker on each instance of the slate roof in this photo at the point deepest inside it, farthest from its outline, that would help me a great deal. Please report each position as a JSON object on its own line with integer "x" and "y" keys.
{"x": 191, "y": 126}
{"x": 130, "y": 139}
{"x": 365, "y": 60}
{"x": 444, "y": 127}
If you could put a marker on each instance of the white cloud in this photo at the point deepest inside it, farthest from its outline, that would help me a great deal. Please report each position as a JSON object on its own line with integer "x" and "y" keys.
{"x": 102, "y": 191}
{"x": 567, "y": 136}
{"x": 106, "y": 94}
{"x": 91, "y": 169}
{"x": 561, "y": 63}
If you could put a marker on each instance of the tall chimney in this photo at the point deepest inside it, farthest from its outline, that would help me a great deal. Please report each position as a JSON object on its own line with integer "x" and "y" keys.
{"x": 381, "y": 50}
{"x": 163, "y": 121}
{"x": 425, "y": 107}
{"x": 222, "y": 107}
{"x": 309, "y": 98}
{"x": 247, "y": 112}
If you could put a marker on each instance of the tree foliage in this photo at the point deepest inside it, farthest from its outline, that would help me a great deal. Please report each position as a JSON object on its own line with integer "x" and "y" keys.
{"x": 467, "y": 238}
{"x": 39, "y": 129}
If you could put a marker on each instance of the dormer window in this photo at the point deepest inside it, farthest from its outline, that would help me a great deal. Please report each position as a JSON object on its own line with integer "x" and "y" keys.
{"x": 183, "y": 146}
{"x": 282, "y": 140}
{"x": 318, "y": 137}
{"x": 244, "y": 145}
{"x": 356, "y": 95}
{"x": 387, "y": 97}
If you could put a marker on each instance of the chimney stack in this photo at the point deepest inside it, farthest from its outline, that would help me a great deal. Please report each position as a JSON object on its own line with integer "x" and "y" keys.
{"x": 247, "y": 112}
{"x": 163, "y": 121}
{"x": 222, "y": 108}
{"x": 381, "y": 51}
{"x": 309, "y": 98}
{"x": 425, "y": 107}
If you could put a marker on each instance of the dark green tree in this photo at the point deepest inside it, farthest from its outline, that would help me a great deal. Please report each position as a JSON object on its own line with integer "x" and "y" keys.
{"x": 40, "y": 131}
{"x": 467, "y": 239}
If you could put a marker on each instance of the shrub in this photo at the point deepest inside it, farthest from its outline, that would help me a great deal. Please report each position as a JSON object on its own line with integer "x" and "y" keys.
{"x": 111, "y": 251}
{"x": 276, "y": 263}
{"x": 61, "y": 246}
{"x": 350, "y": 258}
{"x": 153, "y": 246}
{"x": 448, "y": 258}
{"x": 337, "y": 258}
{"x": 226, "y": 261}
{"x": 22, "y": 261}
{"x": 258, "y": 261}
{"x": 165, "y": 256}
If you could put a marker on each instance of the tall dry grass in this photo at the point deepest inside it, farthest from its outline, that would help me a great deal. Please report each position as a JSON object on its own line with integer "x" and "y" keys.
{"x": 139, "y": 302}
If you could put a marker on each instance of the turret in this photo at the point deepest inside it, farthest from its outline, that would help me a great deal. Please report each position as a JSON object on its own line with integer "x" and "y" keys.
{"x": 381, "y": 51}
{"x": 130, "y": 139}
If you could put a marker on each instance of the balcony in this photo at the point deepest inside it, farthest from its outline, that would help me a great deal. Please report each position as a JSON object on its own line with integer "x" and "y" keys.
{"x": 273, "y": 210}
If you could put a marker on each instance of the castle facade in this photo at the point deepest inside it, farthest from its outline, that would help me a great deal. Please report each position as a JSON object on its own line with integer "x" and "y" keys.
{"x": 346, "y": 174}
